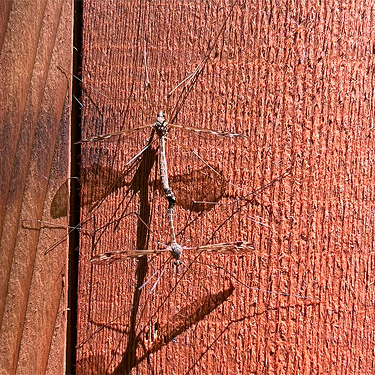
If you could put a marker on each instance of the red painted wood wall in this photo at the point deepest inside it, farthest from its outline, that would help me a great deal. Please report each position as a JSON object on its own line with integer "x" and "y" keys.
{"x": 298, "y": 80}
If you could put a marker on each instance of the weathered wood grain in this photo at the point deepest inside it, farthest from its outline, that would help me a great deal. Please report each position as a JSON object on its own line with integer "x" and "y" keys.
{"x": 34, "y": 136}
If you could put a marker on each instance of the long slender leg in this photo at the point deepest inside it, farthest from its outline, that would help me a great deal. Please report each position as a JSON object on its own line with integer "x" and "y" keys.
{"x": 148, "y": 84}
{"x": 192, "y": 78}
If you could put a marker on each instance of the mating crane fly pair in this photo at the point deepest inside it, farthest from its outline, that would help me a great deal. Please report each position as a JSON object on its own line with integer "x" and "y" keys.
{"x": 161, "y": 128}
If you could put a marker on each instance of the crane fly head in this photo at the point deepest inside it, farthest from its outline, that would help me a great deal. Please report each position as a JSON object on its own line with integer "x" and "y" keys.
{"x": 160, "y": 118}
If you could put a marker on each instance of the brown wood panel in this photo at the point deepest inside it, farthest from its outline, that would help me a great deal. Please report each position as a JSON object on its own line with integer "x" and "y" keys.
{"x": 35, "y": 104}
{"x": 297, "y": 78}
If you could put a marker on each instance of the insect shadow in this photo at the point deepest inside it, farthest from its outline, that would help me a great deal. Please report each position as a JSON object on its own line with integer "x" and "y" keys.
{"x": 202, "y": 199}
{"x": 158, "y": 336}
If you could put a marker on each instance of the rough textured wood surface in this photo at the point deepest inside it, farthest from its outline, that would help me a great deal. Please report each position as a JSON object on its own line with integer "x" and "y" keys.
{"x": 34, "y": 117}
{"x": 297, "y": 78}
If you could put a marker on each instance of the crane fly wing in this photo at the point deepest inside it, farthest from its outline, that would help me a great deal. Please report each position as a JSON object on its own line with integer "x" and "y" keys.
{"x": 236, "y": 247}
{"x": 116, "y": 256}
{"x": 105, "y": 137}
{"x": 209, "y": 131}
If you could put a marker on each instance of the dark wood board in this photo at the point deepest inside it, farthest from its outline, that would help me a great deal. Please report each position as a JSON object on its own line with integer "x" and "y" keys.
{"x": 34, "y": 136}
{"x": 297, "y": 78}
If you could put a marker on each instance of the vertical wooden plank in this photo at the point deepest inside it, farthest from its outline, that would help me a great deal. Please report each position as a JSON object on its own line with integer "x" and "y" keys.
{"x": 5, "y": 7}
{"x": 35, "y": 162}
{"x": 297, "y": 79}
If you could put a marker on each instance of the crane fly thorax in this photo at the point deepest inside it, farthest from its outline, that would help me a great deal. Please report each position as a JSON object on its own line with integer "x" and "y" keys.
{"x": 161, "y": 125}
